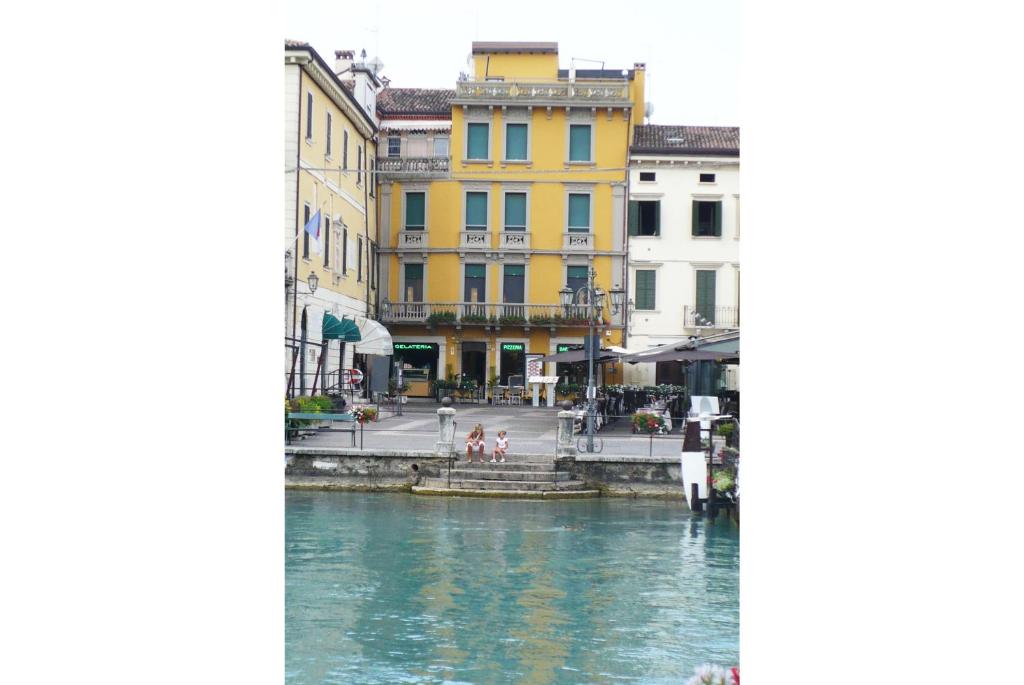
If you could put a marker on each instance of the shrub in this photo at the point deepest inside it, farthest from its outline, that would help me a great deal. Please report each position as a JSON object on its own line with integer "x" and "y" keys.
{"x": 473, "y": 318}
{"x": 441, "y": 317}
{"x": 512, "y": 320}
{"x": 725, "y": 429}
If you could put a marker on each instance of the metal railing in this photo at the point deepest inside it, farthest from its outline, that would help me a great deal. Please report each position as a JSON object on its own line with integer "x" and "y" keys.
{"x": 487, "y": 314}
{"x": 711, "y": 317}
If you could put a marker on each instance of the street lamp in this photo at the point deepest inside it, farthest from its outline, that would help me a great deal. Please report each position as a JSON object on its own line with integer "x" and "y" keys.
{"x": 592, "y": 298}
{"x": 312, "y": 281}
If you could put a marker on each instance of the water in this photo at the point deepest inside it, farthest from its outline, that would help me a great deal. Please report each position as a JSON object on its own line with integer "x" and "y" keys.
{"x": 393, "y": 588}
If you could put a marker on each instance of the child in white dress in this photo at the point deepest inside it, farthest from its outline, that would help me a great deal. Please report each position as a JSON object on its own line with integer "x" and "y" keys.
{"x": 500, "y": 445}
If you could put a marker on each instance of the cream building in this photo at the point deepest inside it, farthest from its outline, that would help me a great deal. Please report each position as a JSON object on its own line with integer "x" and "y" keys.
{"x": 684, "y": 237}
{"x": 330, "y": 148}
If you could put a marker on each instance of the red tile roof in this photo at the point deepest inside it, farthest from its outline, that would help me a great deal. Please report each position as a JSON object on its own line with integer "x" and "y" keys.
{"x": 687, "y": 140}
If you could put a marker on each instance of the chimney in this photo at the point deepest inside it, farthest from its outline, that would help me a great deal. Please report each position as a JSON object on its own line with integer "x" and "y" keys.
{"x": 343, "y": 60}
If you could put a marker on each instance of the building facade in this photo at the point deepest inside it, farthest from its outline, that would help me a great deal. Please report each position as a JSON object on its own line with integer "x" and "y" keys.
{"x": 330, "y": 144}
{"x": 494, "y": 196}
{"x": 684, "y": 233}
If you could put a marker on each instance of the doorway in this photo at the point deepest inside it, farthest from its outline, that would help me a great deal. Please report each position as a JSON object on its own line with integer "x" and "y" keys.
{"x": 474, "y": 361}
{"x": 513, "y": 360}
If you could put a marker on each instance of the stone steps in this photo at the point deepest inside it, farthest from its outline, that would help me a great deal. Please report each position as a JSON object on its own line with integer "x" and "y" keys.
{"x": 540, "y": 467}
{"x": 511, "y": 494}
{"x": 506, "y": 475}
{"x": 521, "y": 485}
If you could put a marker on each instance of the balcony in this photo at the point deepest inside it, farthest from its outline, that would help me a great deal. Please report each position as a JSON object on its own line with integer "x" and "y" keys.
{"x": 514, "y": 240}
{"x": 596, "y": 93}
{"x": 475, "y": 240}
{"x": 397, "y": 168}
{"x": 711, "y": 317}
{"x": 578, "y": 241}
{"x": 412, "y": 240}
{"x": 488, "y": 314}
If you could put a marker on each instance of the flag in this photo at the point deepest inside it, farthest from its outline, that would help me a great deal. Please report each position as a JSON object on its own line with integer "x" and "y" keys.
{"x": 313, "y": 229}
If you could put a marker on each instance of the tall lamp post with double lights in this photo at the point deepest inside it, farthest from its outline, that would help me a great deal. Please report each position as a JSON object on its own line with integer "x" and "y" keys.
{"x": 591, "y": 300}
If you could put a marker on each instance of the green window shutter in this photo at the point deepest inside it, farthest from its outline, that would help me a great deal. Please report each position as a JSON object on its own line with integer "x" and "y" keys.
{"x": 413, "y": 272}
{"x": 515, "y": 141}
{"x": 515, "y": 211}
{"x": 696, "y": 219}
{"x": 579, "y": 143}
{"x": 477, "y": 144}
{"x": 515, "y": 270}
{"x": 706, "y": 294}
{"x": 476, "y": 211}
{"x": 645, "y": 289}
{"x": 657, "y": 218}
{"x": 414, "y": 211}
{"x": 579, "y": 212}
{"x": 718, "y": 219}
{"x": 476, "y": 271}
{"x": 634, "y": 217}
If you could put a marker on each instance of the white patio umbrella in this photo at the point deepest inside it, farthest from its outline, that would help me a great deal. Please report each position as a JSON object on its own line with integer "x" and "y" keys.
{"x": 376, "y": 338}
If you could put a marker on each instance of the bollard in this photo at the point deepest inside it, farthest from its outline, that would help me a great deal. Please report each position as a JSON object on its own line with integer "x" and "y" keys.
{"x": 565, "y": 448}
{"x": 696, "y": 506}
{"x": 445, "y": 429}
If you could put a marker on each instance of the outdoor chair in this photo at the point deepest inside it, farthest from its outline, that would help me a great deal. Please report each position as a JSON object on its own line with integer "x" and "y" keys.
{"x": 515, "y": 395}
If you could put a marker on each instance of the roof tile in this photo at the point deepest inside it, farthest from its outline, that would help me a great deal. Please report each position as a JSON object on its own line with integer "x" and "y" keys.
{"x": 692, "y": 140}
{"x": 415, "y": 101}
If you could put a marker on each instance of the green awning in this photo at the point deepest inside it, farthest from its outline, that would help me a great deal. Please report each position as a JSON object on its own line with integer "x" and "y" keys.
{"x": 340, "y": 329}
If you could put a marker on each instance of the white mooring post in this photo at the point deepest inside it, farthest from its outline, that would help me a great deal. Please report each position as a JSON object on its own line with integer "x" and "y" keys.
{"x": 445, "y": 429}
{"x": 565, "y": 446}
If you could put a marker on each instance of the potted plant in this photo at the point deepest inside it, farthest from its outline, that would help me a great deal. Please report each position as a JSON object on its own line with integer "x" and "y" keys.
{"x": 492, "y": 383}
{"x": 648, "y": 423}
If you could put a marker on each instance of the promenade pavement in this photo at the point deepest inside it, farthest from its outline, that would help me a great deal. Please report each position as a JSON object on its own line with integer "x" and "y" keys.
{"x": 531, "y": 430}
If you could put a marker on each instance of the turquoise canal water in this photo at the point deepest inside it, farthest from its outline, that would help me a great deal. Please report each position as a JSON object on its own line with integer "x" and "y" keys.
{"x": 392, "y": 588}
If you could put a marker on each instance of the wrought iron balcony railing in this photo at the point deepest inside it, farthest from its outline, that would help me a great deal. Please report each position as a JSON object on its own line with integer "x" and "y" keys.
{"x": 711, "y": 317}
{"x": 488, "y": 314}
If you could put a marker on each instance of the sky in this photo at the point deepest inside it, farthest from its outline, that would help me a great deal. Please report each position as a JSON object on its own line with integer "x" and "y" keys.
{"x": 691, "y": 47}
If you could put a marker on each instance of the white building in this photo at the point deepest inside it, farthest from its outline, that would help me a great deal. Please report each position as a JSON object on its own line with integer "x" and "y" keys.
{"x": 684, "y": 232}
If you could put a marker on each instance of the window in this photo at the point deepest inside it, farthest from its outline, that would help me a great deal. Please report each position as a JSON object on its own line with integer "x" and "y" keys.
{"x": 344, "y": 250}
{"x": 515, "y": 141}
{"x": 475, "y": 283}
{"x": 344, "y": 150}
{"x": 706, "y": 295}
{"x": 327, "y": 241}
{"x": 309, "y": 116}
{"x": 576, "y": 277}
{"x": 359, "y": 164}
{"x": 476, "y": 211}
{"x": 643, "y": 296}
{"x": 416, "y": 146}
{"x": 514, "y": 289}
{"x": 441, "y": 146}
{"x": 413, "y": 282}
{"x": 707, "y": 218}
{"x": 515, "y": 211}
{"x": 645, "y": 217}
{"x": 359, "y": 258}
{"x": 647, "y": 176}
{"x": 328, "y": 134}
{"x": 394, "y": 146}
{"x": 305, "y": 233}
{"x": 579, "y": 143}
{"x": 415, "y": 216}
{"x": 476, "y": 141}
{"x": 707, "y": 178}
{"x": 372, "y": 266}
{"x": 371, "y": 179}
{"x": 579, "y": 212}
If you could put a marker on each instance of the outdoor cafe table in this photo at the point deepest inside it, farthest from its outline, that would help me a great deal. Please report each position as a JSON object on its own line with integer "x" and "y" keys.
{"x": 549, "y": 381}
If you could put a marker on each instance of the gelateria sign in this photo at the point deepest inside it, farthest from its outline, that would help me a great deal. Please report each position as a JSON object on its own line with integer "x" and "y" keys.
{"x": 414, "y": 346}
{"x": 512, "y": 347}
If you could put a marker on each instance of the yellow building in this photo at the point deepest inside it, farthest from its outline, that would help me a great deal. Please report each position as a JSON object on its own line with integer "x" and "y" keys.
{"x": 494, "y": 197}
{"x": 330, "y": 135}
